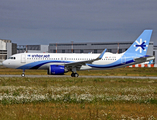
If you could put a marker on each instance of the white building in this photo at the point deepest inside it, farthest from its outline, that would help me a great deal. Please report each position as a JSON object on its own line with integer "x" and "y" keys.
{"x": 7, "y": 48}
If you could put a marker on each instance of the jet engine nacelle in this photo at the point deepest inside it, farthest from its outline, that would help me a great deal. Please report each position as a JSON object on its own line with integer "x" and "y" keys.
{"x": 56, "y": 70}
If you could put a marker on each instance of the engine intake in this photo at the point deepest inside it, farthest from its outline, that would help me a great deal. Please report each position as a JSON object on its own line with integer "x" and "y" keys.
{"x": 56, "y": 70}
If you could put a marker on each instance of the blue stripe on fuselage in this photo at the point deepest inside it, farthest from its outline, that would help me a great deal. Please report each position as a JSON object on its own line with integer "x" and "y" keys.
{"x": 36, "y": 65}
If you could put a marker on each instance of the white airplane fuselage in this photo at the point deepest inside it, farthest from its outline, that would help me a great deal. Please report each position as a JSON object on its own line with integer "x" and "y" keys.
{"x": 27, "y": 60}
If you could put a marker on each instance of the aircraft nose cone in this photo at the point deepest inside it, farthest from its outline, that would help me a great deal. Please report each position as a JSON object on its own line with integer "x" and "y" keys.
{"x": 4, "y": 63}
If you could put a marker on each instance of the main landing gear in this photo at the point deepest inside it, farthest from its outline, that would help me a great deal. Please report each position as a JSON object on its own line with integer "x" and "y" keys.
{"x": 74, "y": 74}
{"x": 23, "y": 73}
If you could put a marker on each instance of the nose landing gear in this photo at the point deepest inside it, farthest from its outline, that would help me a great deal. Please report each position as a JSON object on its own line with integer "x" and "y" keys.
{"x": 23, "y": 73}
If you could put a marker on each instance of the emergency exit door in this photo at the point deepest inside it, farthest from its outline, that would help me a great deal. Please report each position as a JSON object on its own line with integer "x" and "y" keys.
{"x": 23, "y": 58}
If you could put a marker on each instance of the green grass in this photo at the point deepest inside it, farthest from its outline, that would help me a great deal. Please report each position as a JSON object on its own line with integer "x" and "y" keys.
{"x": 68, "y": 98}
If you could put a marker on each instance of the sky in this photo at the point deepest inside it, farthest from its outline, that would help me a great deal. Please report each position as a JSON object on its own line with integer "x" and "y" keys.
{"x": 34, "y": 22}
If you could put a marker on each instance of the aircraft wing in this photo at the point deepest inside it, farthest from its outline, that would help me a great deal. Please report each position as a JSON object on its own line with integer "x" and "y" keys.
{"x": 80, "y": 63}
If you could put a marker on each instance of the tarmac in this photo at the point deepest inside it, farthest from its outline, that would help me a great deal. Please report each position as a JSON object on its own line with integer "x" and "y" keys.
{"x": 53, "y": 76}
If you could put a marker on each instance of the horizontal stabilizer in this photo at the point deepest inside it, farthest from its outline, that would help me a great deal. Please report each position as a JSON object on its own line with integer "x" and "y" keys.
{"x": 144, "y": 59}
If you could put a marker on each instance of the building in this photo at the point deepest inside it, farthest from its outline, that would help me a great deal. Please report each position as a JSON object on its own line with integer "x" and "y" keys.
{"x": 93, "y": 47}
{"x": 7, "y": 48}
{"x": 32, "y": 48}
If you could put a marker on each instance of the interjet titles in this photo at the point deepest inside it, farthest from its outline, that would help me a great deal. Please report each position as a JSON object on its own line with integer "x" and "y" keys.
{"x": 40, "y": 56}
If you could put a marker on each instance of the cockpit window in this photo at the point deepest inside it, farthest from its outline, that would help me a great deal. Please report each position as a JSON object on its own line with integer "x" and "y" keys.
{"x": 12, "y": 58}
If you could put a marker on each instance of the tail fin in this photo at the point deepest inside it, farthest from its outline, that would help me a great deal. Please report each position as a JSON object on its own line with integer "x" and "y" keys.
{"x": 140, "y": 45}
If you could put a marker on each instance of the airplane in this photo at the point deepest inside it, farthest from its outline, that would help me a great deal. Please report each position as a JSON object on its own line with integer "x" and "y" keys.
{"x": 60, "y": 63}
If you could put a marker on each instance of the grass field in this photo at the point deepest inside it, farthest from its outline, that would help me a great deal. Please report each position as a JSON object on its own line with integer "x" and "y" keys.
{"x": 79, "y": 98}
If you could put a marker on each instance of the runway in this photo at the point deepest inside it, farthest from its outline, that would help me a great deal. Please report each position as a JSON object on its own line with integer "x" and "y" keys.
{"x": 53, "y": 76}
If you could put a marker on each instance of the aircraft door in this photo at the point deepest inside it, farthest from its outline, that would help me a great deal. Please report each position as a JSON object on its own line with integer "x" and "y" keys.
{"x": 123, "y": 59}
{"x": 23, "y": 58}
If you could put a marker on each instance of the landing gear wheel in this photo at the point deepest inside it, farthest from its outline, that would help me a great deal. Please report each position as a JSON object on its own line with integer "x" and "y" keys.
{"x": 74, "y": 74}
{"x": 22, "y": 75}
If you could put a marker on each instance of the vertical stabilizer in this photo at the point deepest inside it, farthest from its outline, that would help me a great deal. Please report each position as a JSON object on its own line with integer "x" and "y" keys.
{"x": 140, "y": 45}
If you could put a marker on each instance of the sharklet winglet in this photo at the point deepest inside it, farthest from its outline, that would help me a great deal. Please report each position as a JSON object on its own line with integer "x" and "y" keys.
{"x": 102, "y": 54}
